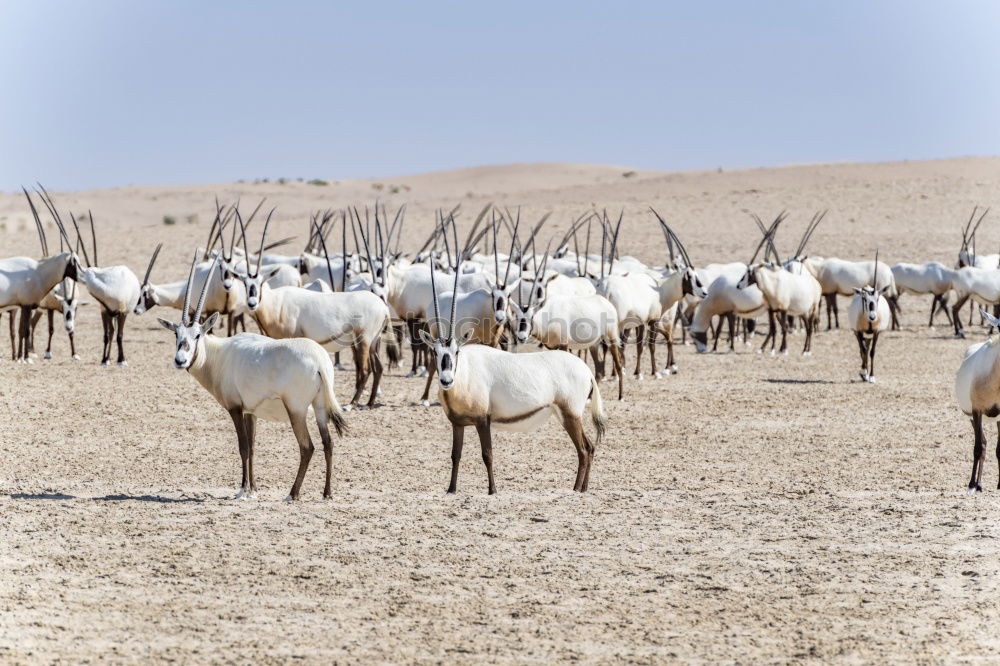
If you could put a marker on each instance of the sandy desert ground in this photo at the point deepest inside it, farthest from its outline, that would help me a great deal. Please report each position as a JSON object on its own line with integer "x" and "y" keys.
{"x": 747, "y": 509}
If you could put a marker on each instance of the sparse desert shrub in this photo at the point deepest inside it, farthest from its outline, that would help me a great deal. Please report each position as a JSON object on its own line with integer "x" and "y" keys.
{"x": 628, "y": 174}
{"x": 319, "y": 182}
{"x": 169, "y": 220}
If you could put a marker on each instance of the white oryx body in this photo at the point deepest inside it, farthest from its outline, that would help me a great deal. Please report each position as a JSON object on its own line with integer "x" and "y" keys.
{"x": 869, "y": 315}
{"x": 253, "y": 376}
{"x": 786, "y": 294}
{"x": 977, "y": 391}
{"x": 933, "y": 278}
{"x": 982, "y": 285}
{"x": 725, "y": 298}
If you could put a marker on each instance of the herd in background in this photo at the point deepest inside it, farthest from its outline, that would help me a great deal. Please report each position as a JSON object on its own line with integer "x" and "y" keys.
{"x": 467, "y": 309}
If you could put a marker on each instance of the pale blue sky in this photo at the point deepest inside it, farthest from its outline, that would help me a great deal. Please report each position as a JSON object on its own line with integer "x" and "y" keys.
{"x": 114, "y": 92}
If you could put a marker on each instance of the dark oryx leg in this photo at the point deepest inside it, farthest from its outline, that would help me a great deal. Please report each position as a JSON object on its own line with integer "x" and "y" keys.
{"x": 836, "y": 311}
{"x": 829, "y": 298}
{"x": 35, "y": 316}
{"x": 651, "y": 341}
{"x": 377, "y": 368}
{"x": 52, "y": 330}
{"x": 863, "y": 345}
{"x": 362, "y": 359}
{"x": 457, "y": 439}
{"x": 306, "y": 448}
{"x": 972, "y": 307}
{"x": 770, "y": 330}
{"x": 486, "y": 441}
{"x": 934, "y": 305}
{"x": 241, "y": 436}
{"x": 715, "y": 334}
{"x": 871, "y": 354}
{"x": 784, "y": 332}
{"x": 956, "y": 315}
{"x": 120, "y": 336}
{"x": 574, "y": 428}
{"x": 894, "y": 312}
{"x": 616, "y": 356}
{"x": 731, "y": 318}
{"x": 640, "y": 334}
{"x": 13, "y": 344}
{"x": 431, "y": 369}
{"x": 250, "y": 432}
{"x": 324, "y": 434}
{"x": 598, "y": 363}
{"x": 977, "y": 453}
{"x": 106, "y": 322}
{"x": 25, "y": 331}
{"x": 415, "y": 344}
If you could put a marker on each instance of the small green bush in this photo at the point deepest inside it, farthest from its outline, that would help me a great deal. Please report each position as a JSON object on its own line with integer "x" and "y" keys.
{"x": 169, "y": 220}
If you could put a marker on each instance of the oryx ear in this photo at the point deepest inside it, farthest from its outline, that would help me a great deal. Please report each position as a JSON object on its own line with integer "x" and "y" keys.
{"x": 80, "y": 304}
{"x": 240, "y": 272}
{"x": 269, "y": 272}
{"x": 210, "y": 323}
{"x": 551, "y": 278}
{"x": 427, "y": 338}
{"x": 465, "y": 337}
{"x": 884, "y": 289}
{"x": 857, "y": 290}
{"x": 58, "y": 297}
{"x": 169, "y": 325}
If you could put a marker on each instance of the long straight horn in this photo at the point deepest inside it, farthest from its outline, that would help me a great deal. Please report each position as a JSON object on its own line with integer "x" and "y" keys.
{"x": 47, "y": 200}
{"x": 965, "y": 231}
{"x": 343, "y": 257}
{"x": 263, "y": 236}
{"x": 152, "y": 260}
{"x": 452, "y": 329}
{"x": 211, "y": 230}
{"x": 677, "y": 241}
{"x": 470, "y": 240}
{"x": 204, "y": 290}
{"x": 614, "y": 241}
{"x": 496, "y": 257}
{"x": 38, "y": 223}
{"x": 975, "y": 227}
{"x": 83, "y": 245}
{"x": 93, "y": 237}
{"x": 538, "y": 225}
{"x": 185, "y": 316}
{"x": 604, "y": 239}
{"x": 368, "y": 253}
{"x": 510, "y": 255}
{"x": 756, "y": 251}
{"x": 586, "y": 248}
{"x": 326, "y": 256}
{"x": 437, "y": 303}
{"x": 875, "y": 272}
{"x": 243, "y": 235}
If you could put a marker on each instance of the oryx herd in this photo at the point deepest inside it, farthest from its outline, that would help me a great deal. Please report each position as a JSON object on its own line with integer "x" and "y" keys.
{"x": 516, "y": 324}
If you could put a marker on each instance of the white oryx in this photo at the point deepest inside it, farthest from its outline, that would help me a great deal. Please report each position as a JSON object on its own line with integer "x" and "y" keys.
{"x": 869, "y": 315}
{"x": 63, "y": 299}
{"x": 933, "y": 278}
{"x": 841, "y": 277}
{"x": 485, "y": 387}
{"x": 785, "y": 293}
{"x": 982, "y": 285}
{"x": 253, "y": 376}
{"x": 25, "y": 282}
{"x": 977, "y": 390}
{"x": 116, "y": 288}
{"x": 337, "y": 320}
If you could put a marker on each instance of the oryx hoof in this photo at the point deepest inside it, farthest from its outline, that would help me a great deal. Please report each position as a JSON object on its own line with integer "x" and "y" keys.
{"x": 340, "y": 367}
{"x": 807, "y": 353}
{"x": 289, "y": 499}
{"x": 871, "y": 379}
{"x": 673, "y": 369}
{"x": 411, "y": 373}
{"x": 48, "y": 356}
{"x": 784, "y": 353}
{"x": 378, "y": 393}
{"x": 76, "y": 357}
{"x": 658, "y": 375}
{"x": 973, "y": 490}
{"x": 122, "y": 363}
{"x": 422, "y": 373}
{"x": 425, "y": 403}
{"x": 104, "y": 362}
{"x": 772, "y": 352}
{"x": 29, "y": 360}
{"x": 639, "y": 376}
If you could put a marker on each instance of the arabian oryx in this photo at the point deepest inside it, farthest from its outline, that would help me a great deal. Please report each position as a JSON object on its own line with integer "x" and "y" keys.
{"x": 786, "y": 293}
{"x": 24, "y": 282}
{"x": 933, "y": 278}
{"x": 977, "y": 389}
{"x": 485, "y": 387}
{"x": 63, "y": 298}
{"x": 116, "y": 288}
{"x": 869, "y": 315}
{"x": 253, "y": 376}
{"x": 682, "y": 281}
{"x": 337, "y": 320}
